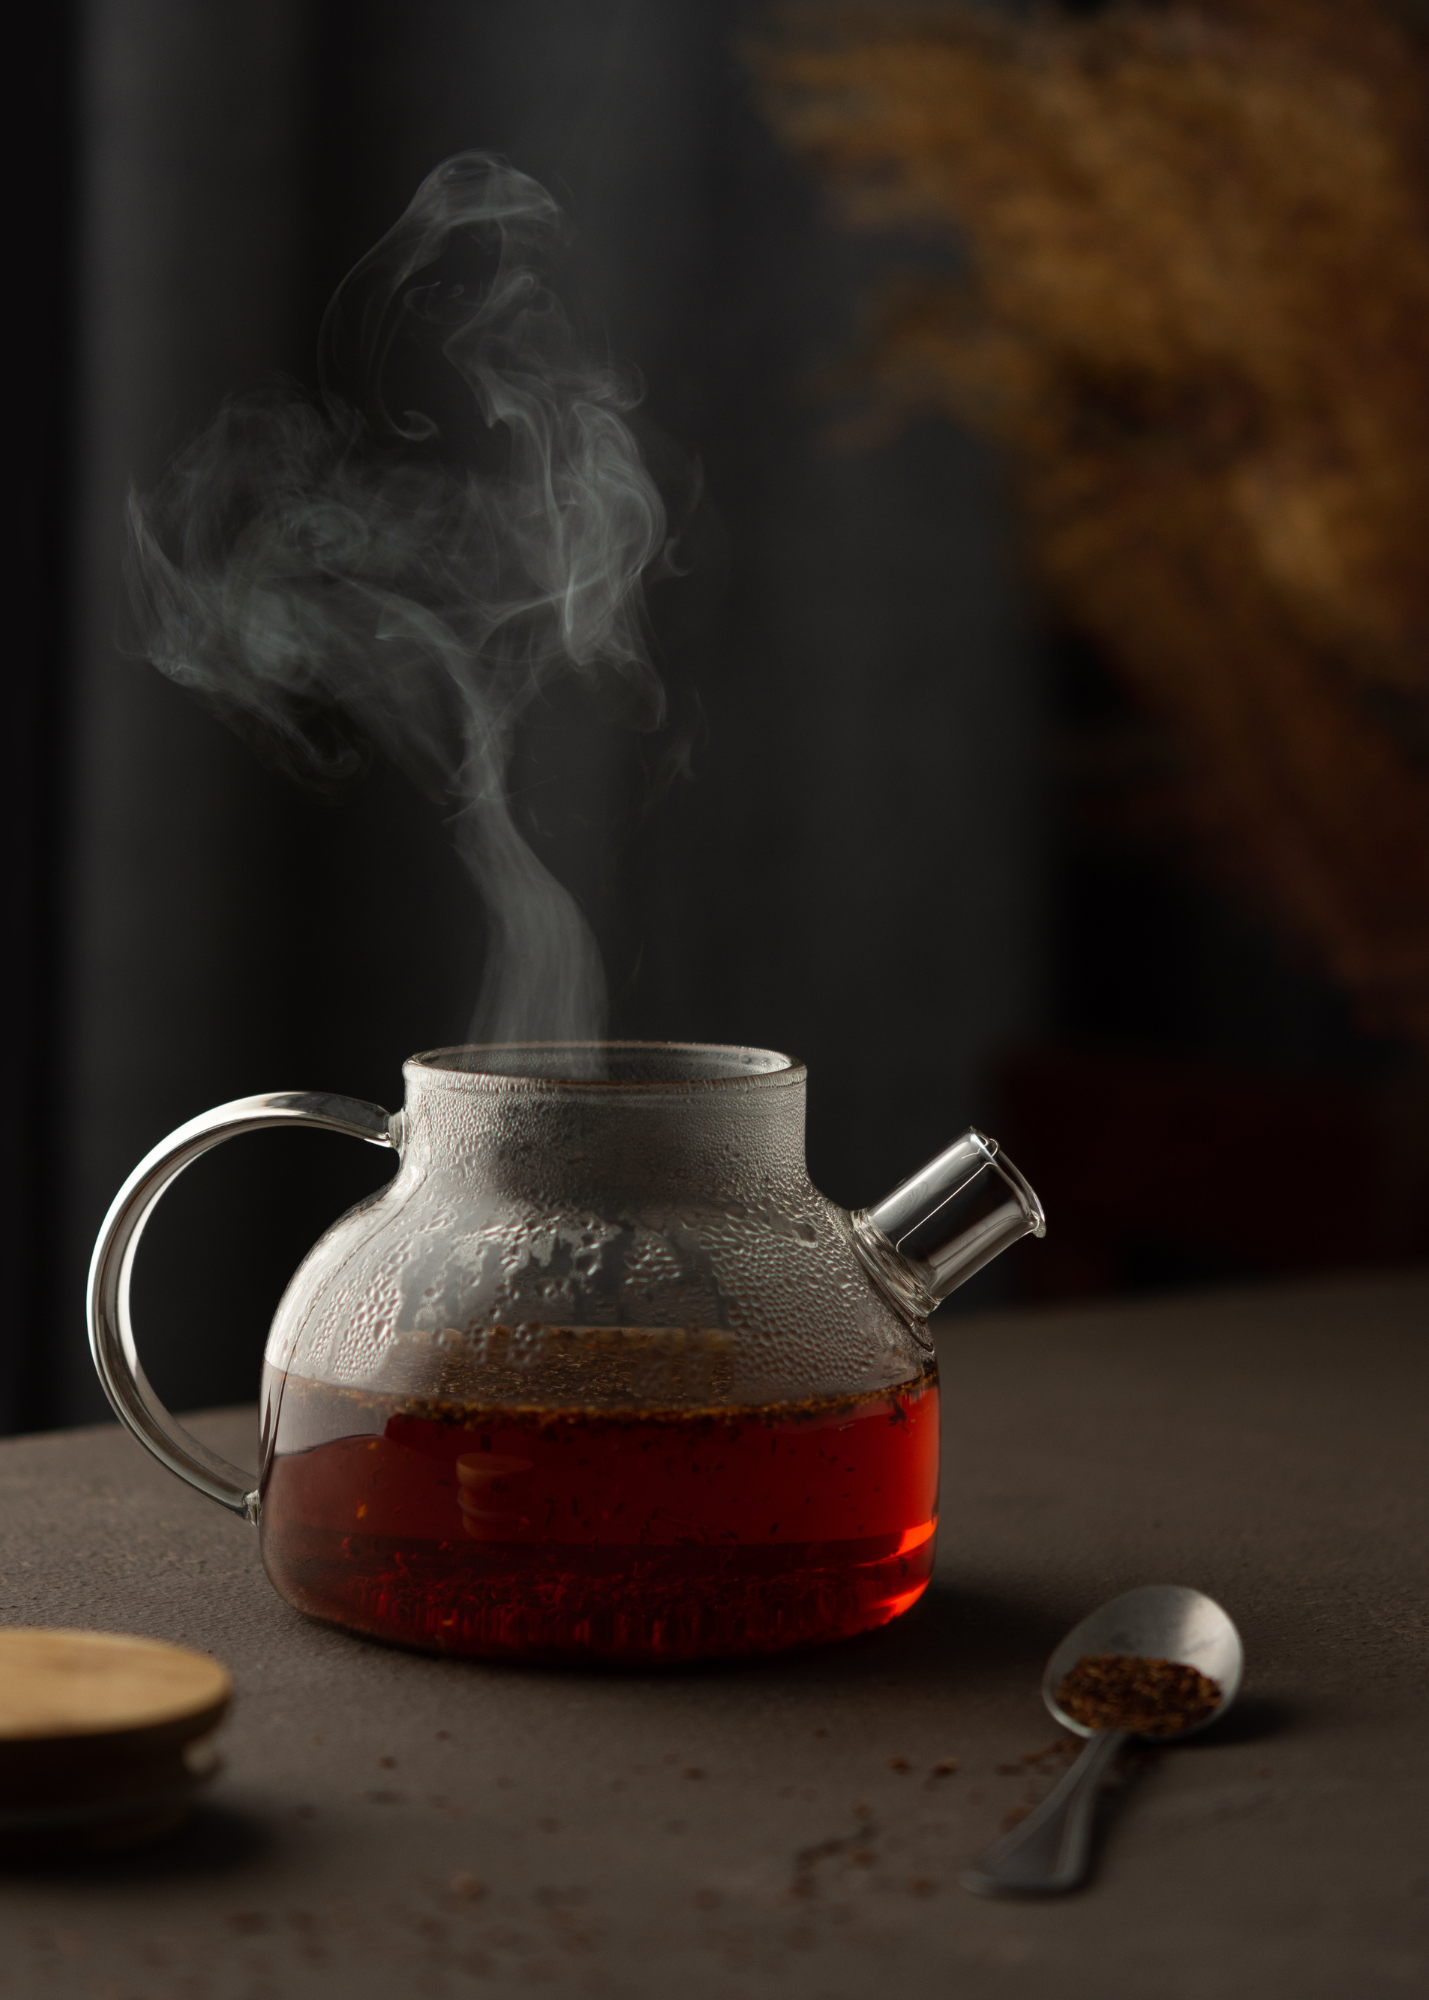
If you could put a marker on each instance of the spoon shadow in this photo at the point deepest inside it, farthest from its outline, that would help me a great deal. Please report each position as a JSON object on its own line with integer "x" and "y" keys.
{"x": 1254, "y": 1719}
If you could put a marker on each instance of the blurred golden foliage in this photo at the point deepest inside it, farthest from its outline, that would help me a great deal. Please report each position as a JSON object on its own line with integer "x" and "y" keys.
{"x": 1196, "y": 309}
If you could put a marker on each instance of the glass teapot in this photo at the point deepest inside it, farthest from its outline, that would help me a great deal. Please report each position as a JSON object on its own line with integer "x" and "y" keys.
{"x": 598, "y": 1374}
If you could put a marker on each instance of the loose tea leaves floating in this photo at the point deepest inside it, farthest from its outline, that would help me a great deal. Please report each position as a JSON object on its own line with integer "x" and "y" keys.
{"x": 1125, "y": 1691}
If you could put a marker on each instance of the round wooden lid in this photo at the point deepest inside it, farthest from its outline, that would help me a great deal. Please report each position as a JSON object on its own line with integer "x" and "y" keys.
{"x": 71, "y": 1684}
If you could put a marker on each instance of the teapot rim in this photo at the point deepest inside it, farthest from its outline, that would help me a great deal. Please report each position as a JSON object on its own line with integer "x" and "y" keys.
{"x": 745, "y": 1068}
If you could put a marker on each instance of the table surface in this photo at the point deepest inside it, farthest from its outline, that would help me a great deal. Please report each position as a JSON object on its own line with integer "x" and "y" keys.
{"x": 389, "y": 1823}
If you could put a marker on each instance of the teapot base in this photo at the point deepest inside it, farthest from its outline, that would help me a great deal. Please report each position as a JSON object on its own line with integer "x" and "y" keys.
{"x": 665, "y": 1608}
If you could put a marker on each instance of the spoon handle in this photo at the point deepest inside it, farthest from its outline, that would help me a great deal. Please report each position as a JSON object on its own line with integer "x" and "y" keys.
{"x": 1048, "y": 1853}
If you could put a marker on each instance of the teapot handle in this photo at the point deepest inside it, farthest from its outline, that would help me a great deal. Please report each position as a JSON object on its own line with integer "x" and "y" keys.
{"x": 111, "y": 1332}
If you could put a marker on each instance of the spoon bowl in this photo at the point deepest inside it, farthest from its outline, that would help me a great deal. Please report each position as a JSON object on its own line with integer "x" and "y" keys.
{"x": 1049, "y": 1853}
{"x": 1160, "y": 1621}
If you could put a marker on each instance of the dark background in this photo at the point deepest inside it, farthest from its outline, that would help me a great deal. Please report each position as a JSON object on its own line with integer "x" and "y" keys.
{"x": 893, "y": 856}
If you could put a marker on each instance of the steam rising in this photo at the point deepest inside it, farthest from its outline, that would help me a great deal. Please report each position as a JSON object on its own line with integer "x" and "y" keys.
{"x": 325, "y": 571}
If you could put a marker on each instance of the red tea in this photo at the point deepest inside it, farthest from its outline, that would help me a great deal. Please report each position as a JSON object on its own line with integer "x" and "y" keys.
{"x": 642, "y": 1535}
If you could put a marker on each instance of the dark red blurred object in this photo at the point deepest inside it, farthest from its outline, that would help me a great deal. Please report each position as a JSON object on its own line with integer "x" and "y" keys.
{"x": 1160, "y": 1171}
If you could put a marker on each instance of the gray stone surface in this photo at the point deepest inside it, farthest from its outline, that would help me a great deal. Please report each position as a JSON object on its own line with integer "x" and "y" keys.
{"x": 777, "y": 1828}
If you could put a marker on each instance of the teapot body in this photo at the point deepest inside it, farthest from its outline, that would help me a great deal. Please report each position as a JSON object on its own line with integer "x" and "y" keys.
{"x": 599, "y": 1374}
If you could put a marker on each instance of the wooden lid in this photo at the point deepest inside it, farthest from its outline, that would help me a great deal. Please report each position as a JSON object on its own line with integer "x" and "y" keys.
{"x": 66, "y": 1684}
{"x": 100, "y": 1738}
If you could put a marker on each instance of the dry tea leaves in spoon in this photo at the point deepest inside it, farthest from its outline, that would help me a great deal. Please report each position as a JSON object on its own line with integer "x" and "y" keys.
{"x": 1128, "y": 1691}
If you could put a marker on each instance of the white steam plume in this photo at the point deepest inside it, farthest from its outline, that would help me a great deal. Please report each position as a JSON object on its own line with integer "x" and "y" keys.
{"x": 319, "y": 568}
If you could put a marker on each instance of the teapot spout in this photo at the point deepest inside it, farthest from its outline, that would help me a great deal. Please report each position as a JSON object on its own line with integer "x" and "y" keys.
{"x": 934, "y": 1231}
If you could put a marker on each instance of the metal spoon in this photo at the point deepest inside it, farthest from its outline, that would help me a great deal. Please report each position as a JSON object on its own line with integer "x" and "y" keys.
{"x": 1048, "y": 1853}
